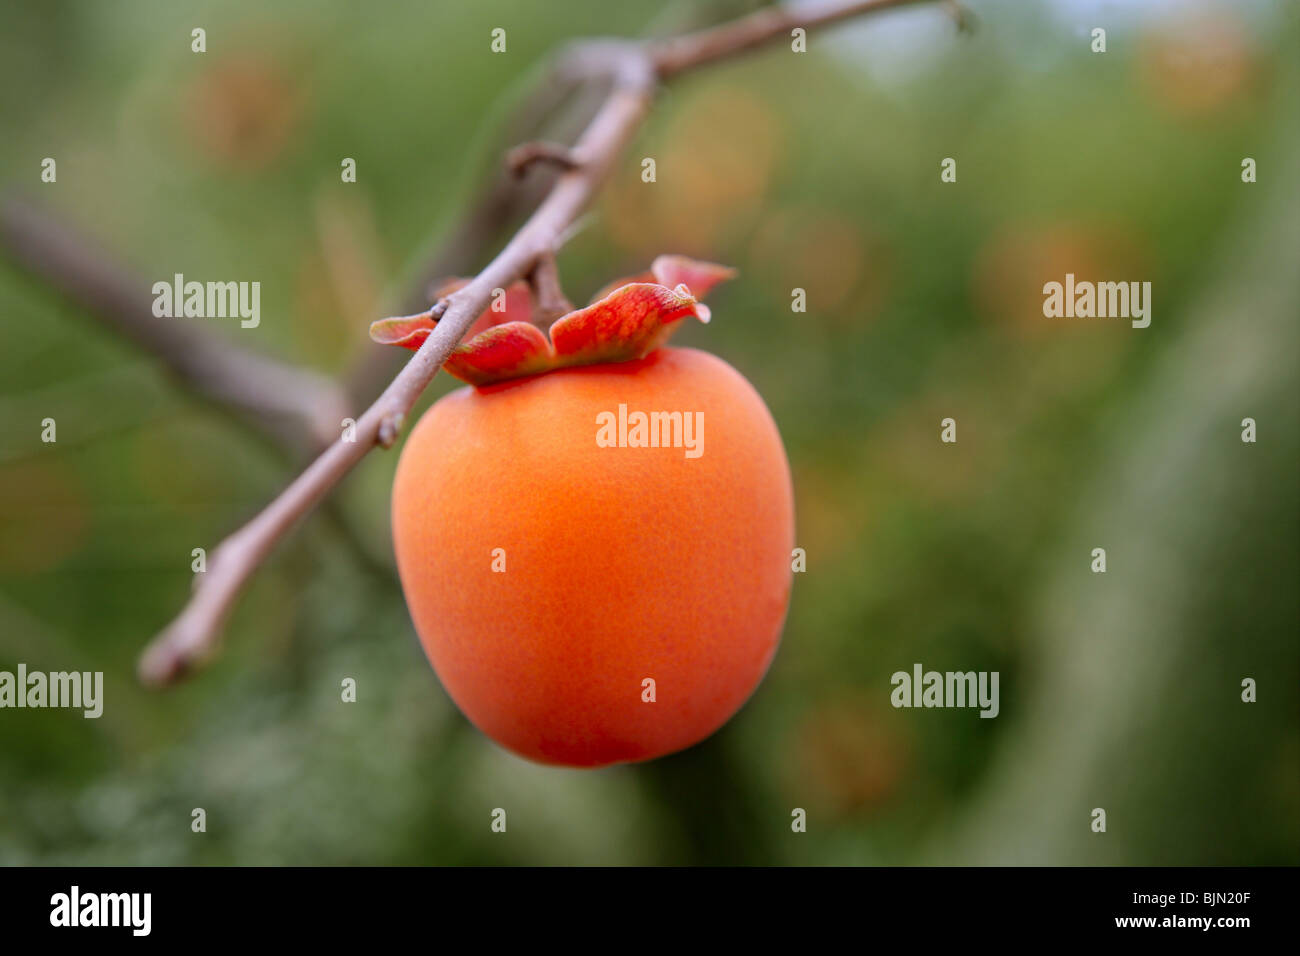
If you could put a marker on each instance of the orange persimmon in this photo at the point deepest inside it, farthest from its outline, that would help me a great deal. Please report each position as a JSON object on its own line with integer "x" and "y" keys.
{"x": 595, "y": 547}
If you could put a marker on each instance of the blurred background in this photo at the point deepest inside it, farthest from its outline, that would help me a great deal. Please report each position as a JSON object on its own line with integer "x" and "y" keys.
{"x": 821, "y": 171}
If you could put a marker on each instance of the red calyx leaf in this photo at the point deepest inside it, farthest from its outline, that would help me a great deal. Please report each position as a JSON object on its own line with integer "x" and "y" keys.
{"x": 626, "y": 321}
{"x": 410, "y": 331}
{"x": 672, "y": 271}
{"x": 630, "y": 322}
{"x": 502, "y": 352}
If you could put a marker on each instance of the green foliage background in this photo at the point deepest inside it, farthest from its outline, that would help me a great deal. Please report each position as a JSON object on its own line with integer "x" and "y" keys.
{"x": 1118, "y": 691}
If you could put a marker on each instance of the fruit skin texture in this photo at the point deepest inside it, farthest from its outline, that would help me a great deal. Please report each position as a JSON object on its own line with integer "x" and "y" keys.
{"x": 622, "y": 563}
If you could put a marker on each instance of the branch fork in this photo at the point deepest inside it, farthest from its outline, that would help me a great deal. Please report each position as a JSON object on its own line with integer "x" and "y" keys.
{"x": 523, "y": 157}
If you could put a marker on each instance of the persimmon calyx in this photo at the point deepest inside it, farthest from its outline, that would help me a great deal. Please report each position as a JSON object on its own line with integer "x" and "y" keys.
{"x": 626, "y": 320}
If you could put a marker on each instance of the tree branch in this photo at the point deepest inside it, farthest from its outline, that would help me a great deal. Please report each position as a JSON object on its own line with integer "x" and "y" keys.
{"x": 295, "y": 399}
{"x": 682, "y": 53}
{"x": 632, "y": 70}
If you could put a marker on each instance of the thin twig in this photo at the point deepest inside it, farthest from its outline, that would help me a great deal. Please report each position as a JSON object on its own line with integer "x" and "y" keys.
{"x": 548, "y": 297}
{"x": 675, "y": 55}
{"x": 632, "y": 70}
{"x": 192, "y": 636}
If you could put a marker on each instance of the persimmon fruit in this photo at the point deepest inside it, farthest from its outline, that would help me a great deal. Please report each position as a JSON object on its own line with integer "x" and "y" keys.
{"x": 588, "y": 602}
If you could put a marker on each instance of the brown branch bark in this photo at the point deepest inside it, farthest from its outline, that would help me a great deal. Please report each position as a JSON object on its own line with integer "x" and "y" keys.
{"x": 632, "y": 70}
